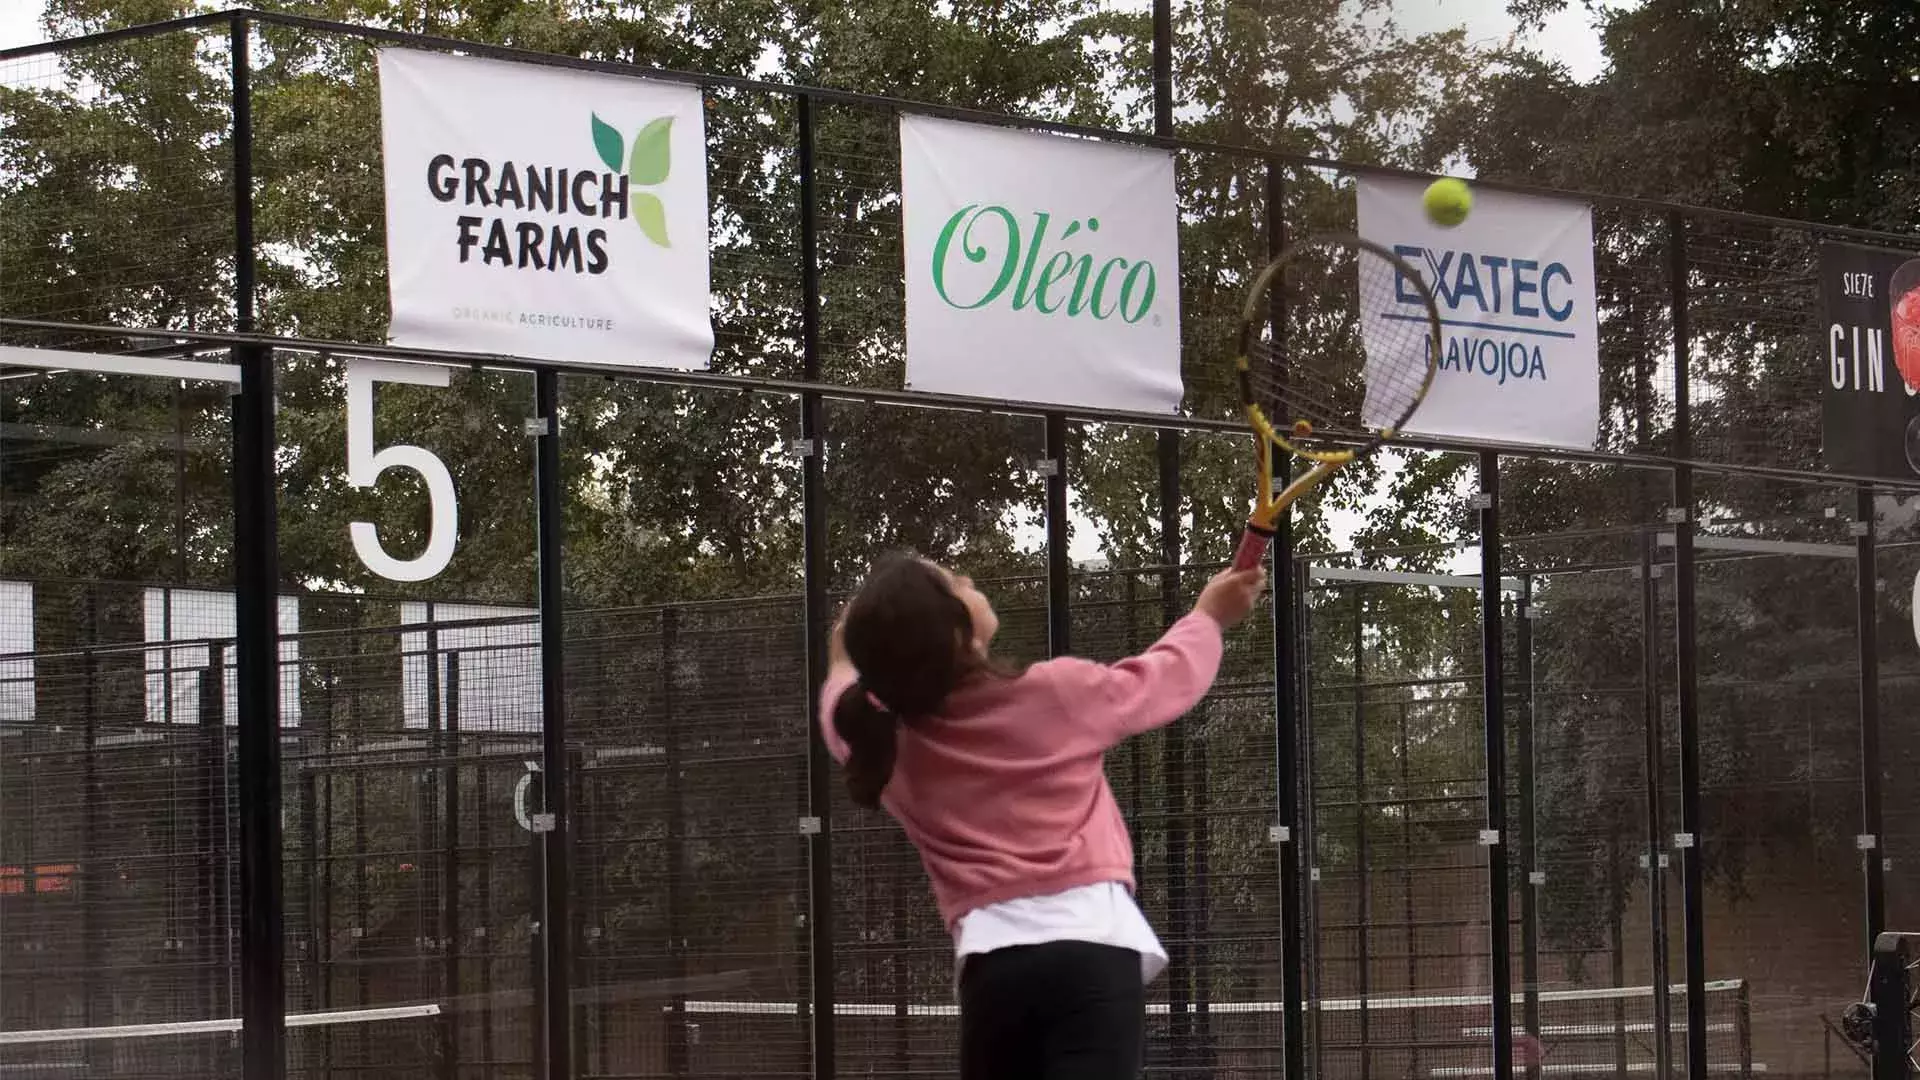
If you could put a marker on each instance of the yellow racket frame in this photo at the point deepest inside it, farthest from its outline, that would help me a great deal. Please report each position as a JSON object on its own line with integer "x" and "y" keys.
{"x": 1268, "y": 505}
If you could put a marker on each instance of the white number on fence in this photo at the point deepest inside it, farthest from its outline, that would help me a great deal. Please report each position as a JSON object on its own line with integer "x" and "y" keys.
{"x": 365, "y": 464}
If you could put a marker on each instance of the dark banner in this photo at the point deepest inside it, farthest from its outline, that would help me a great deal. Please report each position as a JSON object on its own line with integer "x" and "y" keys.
{"x": 1871, "y": 299}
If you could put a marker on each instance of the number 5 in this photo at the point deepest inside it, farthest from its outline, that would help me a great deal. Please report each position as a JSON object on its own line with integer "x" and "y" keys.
{"x": 365, "y": 464}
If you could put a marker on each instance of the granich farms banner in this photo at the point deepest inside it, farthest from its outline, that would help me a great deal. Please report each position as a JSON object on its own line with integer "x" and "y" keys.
{"x": 545, "y": 213}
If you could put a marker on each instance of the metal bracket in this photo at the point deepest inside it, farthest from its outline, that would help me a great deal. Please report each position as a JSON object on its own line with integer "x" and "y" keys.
{"x": 1682, "y": 841}
{"x": 1314, "y": 875}
{"x": 1279, "y": 834}
{"x": 1537, "y": 877}
{"x": 1665, "y": 861}
{"x": 1866, "y": 842}
{"x": 801, "y": 448}
{"x": 1481, "y": 500}
{"x": 542, "y": 823}
{"x": 1677, "y": 515}
{"x": 1047, "y": 467}
{"x": 1489, "y": 837}
{"x": 810, "y": 826}
{"x": 1860, "y": 529}
{"x": 536, "y": 427}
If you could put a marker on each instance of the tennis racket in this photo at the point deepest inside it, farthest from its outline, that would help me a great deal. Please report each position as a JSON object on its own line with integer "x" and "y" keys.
{"x": 1359, "y": 356}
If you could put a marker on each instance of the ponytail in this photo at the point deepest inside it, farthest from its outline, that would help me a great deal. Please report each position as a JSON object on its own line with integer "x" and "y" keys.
{"x": 872, "y": 737}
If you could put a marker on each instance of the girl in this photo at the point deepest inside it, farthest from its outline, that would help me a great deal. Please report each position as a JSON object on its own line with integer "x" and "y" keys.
{"x": 997, "y": 776}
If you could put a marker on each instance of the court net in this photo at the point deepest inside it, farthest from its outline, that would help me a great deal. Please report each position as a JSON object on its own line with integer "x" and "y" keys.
{"x": 1580, "y": 1032}
{"x": 199, "y": 1049}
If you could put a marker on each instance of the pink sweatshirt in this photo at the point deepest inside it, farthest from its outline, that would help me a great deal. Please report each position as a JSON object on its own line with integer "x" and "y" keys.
{"x": 1005, "y": 792}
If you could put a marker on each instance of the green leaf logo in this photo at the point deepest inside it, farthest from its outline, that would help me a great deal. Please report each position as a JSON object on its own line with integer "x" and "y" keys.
{"x": 652, "y": 153}
{"x": 606, "y": 139}
{"x": 652, "y": 217}
{"x": 648, "y": 165}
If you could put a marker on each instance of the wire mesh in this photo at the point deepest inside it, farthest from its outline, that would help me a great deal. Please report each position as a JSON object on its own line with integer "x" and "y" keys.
{"x": 115, "y": 168}
{"x": 1753, "y": 309}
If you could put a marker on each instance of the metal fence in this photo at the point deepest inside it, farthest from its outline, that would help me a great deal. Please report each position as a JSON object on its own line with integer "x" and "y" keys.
{"x": 559, "y": 813}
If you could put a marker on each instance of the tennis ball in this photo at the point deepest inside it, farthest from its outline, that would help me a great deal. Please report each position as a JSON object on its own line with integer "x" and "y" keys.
{"x": 1448, "y": 201}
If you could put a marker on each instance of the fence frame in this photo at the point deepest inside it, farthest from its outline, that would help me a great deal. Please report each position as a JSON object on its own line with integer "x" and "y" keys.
{"x": 262, "y": 931}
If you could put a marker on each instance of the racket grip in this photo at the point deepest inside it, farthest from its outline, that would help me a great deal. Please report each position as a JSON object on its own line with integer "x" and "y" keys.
{"x": 1253, "y": 547}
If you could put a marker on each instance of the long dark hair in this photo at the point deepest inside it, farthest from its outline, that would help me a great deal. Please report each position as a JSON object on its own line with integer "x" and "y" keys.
{"x": 911, "y": 640}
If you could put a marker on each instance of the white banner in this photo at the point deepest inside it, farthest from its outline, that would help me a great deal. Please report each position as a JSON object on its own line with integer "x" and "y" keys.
{"x": 544, "y": 213}
{"x": 1514, "y": 284}
{"x": 1040, "y": 268}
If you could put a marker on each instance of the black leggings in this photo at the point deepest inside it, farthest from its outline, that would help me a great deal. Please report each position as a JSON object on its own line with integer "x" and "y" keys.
{"x": 1066, "y": 1010}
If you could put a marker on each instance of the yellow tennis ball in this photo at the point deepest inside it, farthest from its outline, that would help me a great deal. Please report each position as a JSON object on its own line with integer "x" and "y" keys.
{"x": 1448, "y": 201}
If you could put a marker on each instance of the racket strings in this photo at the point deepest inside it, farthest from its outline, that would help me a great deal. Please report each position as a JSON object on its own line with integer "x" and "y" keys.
{"x": 1359, "y": 350}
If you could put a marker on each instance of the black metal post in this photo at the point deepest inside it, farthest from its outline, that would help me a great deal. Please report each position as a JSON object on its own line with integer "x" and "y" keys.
{"x": 427, "y": 797}
{"x": 1530, "y": 872}
{"x": 1656, "y": 851}
{"x": 1406, "y": 884}
{"x": 1617, "y": 951}
{"x": 263, "y": 977}
{"x": 676, "y": 867}
{"x": 1888, "y": 993}
{"x": 1493, "y": 704}
{"x": 212, "y": 839}
{"x": 1174, "y": 758}
{"x": 1174, "y": 761}
{"x": 1136, "y": 755}
{"x": 818, "y": 832}
{"x": 1362, "y": 871}
{"x": 1059, "y": 562}
{"x": 450, "y": 855}
{"x": 555, "y": 827}
{"x": 1866, "y": 579}
{"x": 93, "y": 879}
{"x": 1686, "y": 667}
{"x": 1287, "y": 679}
{"x": 1307, "y": 840}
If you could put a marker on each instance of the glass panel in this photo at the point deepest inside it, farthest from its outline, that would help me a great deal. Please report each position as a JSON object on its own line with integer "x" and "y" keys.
{"x": 1589, "y": 689}
{"x": 118, "y": 885}
{"x": 1780, "y": 773}
{"x": 687, "y": 722}
{"x": 964, "y": 490}
{"x": 412, "y": 875}
{"x": 1398, "y": 922}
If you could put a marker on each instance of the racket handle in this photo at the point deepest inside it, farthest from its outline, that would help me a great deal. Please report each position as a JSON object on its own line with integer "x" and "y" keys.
{"x": 1253, "y": 547}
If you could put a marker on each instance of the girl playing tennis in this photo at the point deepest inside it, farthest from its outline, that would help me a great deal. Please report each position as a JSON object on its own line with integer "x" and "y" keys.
{"x": 997, "y": 776}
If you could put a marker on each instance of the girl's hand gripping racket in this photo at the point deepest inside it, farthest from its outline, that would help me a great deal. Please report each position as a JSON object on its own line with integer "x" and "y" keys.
{"x": 1364, "y": 341}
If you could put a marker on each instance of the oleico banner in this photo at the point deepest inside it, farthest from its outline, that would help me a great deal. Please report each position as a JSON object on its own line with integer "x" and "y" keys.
{"x": 545, "y": 213}
{"x": 1040, "y": 268}
{"x": 1520, "y": 360}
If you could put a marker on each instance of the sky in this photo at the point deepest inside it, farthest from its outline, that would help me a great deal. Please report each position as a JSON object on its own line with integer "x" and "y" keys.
{"x": 20, "y": 23}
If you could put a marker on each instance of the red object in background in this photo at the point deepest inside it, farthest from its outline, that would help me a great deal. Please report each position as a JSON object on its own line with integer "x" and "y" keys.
{"x": 1527, "y": 1049}
{"x": 1906, "y": 332}
{"x": 50, "y": 878}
